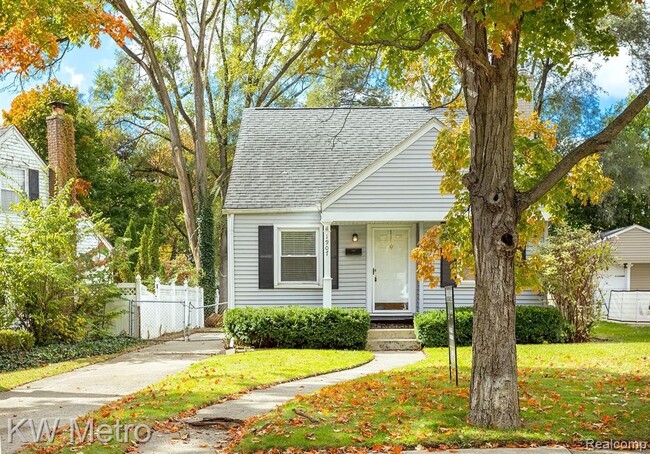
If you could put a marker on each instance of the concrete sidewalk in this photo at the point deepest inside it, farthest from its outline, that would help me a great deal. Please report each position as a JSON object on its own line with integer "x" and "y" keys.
{"x": 262, "y": 401}
{"x": 73, "y": 394}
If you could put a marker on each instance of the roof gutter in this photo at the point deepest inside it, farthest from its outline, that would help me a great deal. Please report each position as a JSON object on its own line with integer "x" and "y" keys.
{"x": 311, "y": 209}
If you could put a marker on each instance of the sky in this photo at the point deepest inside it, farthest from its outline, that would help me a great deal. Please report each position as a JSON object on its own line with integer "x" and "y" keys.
{"x": 80, "y": 65}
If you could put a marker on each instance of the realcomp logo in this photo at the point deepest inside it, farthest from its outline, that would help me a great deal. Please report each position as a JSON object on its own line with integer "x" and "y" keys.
{"x": 31, "y": 431}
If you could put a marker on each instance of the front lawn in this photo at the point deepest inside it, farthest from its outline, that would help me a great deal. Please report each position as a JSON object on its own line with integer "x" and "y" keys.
{"x": 621, "y": 332}
{"x": 568, "y": 393}
{"x": 20, "y": 367}
{"x": 210, "y": 381}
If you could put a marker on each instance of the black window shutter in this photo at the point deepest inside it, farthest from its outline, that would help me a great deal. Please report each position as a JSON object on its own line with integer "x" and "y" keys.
{"x": 265, "y": 256}
{"x": 445, "y": 274}
{"x": 33, "y": 184}
{"x": 334, "y": 251}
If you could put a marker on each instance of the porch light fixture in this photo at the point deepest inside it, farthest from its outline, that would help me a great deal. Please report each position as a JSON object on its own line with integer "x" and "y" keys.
{"x": 355, "y": 238}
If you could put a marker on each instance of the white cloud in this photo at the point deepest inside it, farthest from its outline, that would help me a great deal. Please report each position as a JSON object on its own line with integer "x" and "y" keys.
{"x": 75, "y": 78}
{"x": 611, "y": 74}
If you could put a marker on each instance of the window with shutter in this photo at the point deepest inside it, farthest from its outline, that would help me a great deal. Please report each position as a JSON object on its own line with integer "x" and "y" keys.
{"x": 299, "y": 255}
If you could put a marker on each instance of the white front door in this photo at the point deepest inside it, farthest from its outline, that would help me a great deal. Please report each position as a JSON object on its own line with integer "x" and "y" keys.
{"x": 391, "y": 269}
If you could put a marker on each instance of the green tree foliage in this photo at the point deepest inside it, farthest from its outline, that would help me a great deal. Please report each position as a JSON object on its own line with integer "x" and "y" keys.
{"x": 627, "y": 163}
{"x": 114, "y": 192}
{"x": 632, "y": 32}
{"x": 143, "y": 267}
{"x": 50, "y": 286}
{"x": 155, "y": 241}
{"x": 350, "y": 85}
{"x": 125, "y": 255}
{"x": 573, "y": 261}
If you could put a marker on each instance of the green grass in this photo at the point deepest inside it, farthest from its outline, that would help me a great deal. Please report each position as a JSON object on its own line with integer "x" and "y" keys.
{"x": 10, "y": 380}
{"x": 568, "y": 393}
{"x": 210, "y": 381}
{"x": 620, "y": 332}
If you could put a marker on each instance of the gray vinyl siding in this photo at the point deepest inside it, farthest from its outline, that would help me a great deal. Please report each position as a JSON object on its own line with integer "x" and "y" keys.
{"x": 632, "y": 246}
{"x": 406, "y": 183}
{"x": 640, "y": 276}
{"x": 247, "y": 292}
{"x": 434, "y": 298}
{"x": 352, "y": 269}
{"x": 16, "y": 154}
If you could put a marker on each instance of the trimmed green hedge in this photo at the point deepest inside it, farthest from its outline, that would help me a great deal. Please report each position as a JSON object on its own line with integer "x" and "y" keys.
{"x": 11, "y": 340}
{"x": 56, "y": 353}
{"x": 298, "y": 327}
{"x": 534, "y": 325}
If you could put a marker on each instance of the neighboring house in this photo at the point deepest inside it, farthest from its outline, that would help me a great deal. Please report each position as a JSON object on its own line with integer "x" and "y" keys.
{"x": 626, "y": 285}
{"x": 325, "y": 205}
{"x": 23, "y": 171}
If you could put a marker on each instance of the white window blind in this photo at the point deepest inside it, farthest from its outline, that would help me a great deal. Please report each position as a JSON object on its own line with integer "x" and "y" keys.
{"x": 12, "y": 183}
{"x": 299, "y": 260}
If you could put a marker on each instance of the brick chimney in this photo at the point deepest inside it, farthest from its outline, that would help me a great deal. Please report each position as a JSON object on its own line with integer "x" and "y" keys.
{"x": 61, "y": 154}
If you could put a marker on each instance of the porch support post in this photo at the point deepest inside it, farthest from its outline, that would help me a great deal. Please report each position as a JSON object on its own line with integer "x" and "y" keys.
{"x": 628, "y": 275}
{"x": 327, "y": 265}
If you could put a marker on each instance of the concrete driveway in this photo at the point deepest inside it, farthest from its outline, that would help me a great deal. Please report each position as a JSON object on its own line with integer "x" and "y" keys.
{"x": 73, "y": 394}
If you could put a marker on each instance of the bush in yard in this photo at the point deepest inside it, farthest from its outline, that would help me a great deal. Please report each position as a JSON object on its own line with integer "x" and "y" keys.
{"x": 11, "y": 340}
{"x": 573, "y": 260}
{"x": 534, "y": 325}
{"x": 540, "y": 325}
{"x": 51, "y": 286}
{"x": 298, "y": 327}
{"x": 431, "y": 327}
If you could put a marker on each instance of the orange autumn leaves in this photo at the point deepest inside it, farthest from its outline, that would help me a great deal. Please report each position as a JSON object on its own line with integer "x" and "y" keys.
{"x": 535, "y": 155}
{"x": 33, "y": 33}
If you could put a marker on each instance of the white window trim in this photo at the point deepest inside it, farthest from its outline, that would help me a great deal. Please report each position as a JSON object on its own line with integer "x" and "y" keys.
{"x": 10, "y": 188}
{"x": 277, "y": 241}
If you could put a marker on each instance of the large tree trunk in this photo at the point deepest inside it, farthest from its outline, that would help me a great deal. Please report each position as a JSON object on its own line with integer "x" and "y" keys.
{"x": 490, "y": 97}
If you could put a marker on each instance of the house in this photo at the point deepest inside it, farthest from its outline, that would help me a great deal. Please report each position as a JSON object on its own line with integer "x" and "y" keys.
{"x": 626, "y": 285}
{"x": 325, "y": 205}
{"x": 23, "y": 171}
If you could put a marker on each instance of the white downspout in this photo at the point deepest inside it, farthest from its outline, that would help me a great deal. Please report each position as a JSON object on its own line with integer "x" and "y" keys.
{"x": 231, "y": 260}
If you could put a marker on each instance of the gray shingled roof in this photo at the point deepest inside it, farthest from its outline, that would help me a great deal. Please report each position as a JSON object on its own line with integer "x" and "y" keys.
{"x": 288, "y": 158}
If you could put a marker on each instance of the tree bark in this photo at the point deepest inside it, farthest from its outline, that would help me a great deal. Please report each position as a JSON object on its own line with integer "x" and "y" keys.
{"x": 490, "y": 97}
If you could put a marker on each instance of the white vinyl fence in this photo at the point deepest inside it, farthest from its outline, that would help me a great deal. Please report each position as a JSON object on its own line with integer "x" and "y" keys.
{"x": 169, "y": 309}
{"x": 629, "y": 306}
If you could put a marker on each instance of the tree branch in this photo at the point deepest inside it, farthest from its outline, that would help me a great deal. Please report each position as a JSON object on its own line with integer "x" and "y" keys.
{"x": 592, "y": 145}
{"x": 446, "y": 29}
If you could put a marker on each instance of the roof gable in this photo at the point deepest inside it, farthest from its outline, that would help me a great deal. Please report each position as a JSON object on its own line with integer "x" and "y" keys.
{"x": 7, "y": 132}
{"x": 295, "y": 158}
{"x": 623, "y": 230}
{"x": 381, "y": 161}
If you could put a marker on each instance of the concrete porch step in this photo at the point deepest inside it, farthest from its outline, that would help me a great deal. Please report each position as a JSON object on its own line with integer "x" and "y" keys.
{"x": 391, "y": 333}
{"x": 392, "y": 345}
